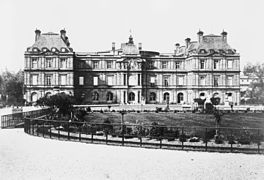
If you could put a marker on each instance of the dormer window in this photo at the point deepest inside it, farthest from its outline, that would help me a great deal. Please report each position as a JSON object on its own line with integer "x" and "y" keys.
{"x": 202, "y": 51}
{"x": 212, "y": 51}
{"x": 63, "y": 50}
{"x": 35, "y": 49}
{"x": 44, "y": 49}
{"x": 53, "y": 50}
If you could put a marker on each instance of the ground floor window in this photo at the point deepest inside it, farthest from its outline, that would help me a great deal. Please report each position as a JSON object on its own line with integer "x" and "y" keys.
{"x": 152, "y": 96}
{"x": 109, "y": 96}
{"x": 180, "y": 98}
{"x": 166, "y": 96}
{"x": 95, "y": 96}
{"x": 34, "y": 97}
{"x": 131, "y": 96}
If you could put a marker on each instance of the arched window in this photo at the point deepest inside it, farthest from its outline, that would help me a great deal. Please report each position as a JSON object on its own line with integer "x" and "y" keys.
{"x": 152, "y": 96}
{"x": 131, "y": 96}
{"x": 109, "y": 96}
{"x": 166, "y": 96}
{"x": 180, "y": 98}
{"x": 95, "y": 96}
{"x": 216, "y": 95}
{"x": 34, "y": 97}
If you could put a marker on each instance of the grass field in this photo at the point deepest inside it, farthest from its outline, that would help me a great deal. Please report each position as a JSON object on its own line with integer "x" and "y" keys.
{"x": 232, "y": 120}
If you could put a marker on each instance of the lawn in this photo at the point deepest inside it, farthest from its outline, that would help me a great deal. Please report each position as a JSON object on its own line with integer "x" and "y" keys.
{"x": 232, "y": 120}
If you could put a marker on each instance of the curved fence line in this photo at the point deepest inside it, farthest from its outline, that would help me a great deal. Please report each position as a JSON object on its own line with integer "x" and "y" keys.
{"x": 247, "y": 140}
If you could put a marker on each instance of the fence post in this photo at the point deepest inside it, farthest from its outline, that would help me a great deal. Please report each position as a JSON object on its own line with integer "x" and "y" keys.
{"x": 33, "y": 126}
{"x": 231, "y": 136}
{"x": 160, "y": 136}
{"x": 106, "y": 137}
{"x": 37, "y": 129}
{"x": 258, "y": 141}
{"x": 92, "y": 132}
{"x": 58, "y": 133}
{"x": 50, "y": 129}
{"x": 183, "y": 136}
{"x": 68, "y": 130}
{"x": 43, "y": 129}
{"x": 205, "y": 138}
{"x": 80, "y": 135}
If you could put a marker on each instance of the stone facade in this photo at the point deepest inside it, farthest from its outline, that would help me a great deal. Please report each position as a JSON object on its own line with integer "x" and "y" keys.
{"x": 130, "y": 75}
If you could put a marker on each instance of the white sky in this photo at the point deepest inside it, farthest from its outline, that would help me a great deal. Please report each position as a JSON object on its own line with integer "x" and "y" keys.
{"x": 157, "y": 24}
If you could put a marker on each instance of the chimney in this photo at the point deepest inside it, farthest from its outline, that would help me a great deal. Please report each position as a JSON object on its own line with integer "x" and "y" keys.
{"x": 224, "y": 36}
{"x": 177, "y": 47}
{"x": 63, "y": 34}
{"x": 200, "y": 36}
{"x": 187, "y": 41}
{"x": 37, "y": 32}
{"x": 113, "y": 46}
{"x": 140, "y": 46}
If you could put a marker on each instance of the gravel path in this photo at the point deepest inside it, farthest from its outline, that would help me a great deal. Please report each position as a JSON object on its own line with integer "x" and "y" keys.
{"x": 27, "y": 157}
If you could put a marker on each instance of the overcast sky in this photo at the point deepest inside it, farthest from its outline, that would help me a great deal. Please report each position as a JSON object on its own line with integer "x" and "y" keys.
{"x": 157, "y": 24}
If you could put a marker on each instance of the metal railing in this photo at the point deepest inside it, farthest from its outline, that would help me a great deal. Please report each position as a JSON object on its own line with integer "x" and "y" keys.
{"x": 247, "y": 140}
{"x": 15, "y": 119}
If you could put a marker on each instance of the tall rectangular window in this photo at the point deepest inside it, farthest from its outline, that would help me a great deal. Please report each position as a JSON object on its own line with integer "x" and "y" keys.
{"x": 166, "y": 81}
{"x": 63, "y": 80}
{"x": 202, "y": 64}
{"x": 152, "y": 80}
{"x": 229, "y": 64}
{"x": 34, "y": 79}
{"x": 202, "y": 80}
{"x": 139, "y": 79}
{"x": 81, "y": 80}
{"x": 125, "y": 80}
{"x": 63, "y": 63}
{"x": 178, "y": 65}
{"x": 216, "y": 81}
{"x": 229, "y": 80}
{"x": 109, "y": 64}
{"x": 164, "y": 64}
{"x": 95, "y": 64}
{"x": 34, "y": 63}
{"x": 95, "y": 81}
{"x": 180, "y": 80}
{"x": 48, "y": 79}
{"x": 110, "y": 80}
{"x": 151, "y": 65}
{"x": 49, "y": 62}
{"x": 216, "y": 64}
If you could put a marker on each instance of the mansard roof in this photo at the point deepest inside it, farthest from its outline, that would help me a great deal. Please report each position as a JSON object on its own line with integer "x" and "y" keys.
{"x": 213, "y": 42}
{"x": 50, "y": 40}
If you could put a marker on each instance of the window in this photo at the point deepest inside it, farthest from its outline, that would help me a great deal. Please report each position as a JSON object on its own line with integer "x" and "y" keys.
{"x": 216, "y": 81}
{"x": 139, "y": 79}
{"x": 63, "y": 80}
{"x": 125, "y": 80}
{"x": 109, "y": 64}
{"x": 229, "y": 64}
{"x": 49, "y": 62}
{"x": 166, "y": 81}
{"x": 180, "y": 98}
{"x": 34, "y": 97}
{"x": 180, "y": 80}
{"x": 34, "y": 62}
{"x": 95, "y": 96}
{"x": 152, "y": 96}
{"x": 216, "y": 64}
{"x": 48, "y": 79}
{"x": 152, "y": 80}
{"x": 81, "y": 80}
{"x": 202, "y": 80}
{"x": 63, "y": 63}
{"x": 151, "y": 64}
{"x": 178, "y": 65}
{"x": 95, "y": 81}
{"x": 34, "y": 79}
{"x": 132, "y": 80}
{"x": 166, "y": 97}
{"x": 131, "y": 96}
{"x": 202, "y": 64}
{"x": 95, "y": 64}
{"x": 109, "y": 80}
{"x": 229, "y": 80}
{"x": 109, "y": 96}
{"x": 164, "y": 64}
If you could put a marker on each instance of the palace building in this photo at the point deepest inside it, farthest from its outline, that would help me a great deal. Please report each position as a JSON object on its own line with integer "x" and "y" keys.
{"x": 205, "y": 68}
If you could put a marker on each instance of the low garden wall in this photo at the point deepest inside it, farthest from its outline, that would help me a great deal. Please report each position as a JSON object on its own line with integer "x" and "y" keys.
{"x": 247, "y": 140}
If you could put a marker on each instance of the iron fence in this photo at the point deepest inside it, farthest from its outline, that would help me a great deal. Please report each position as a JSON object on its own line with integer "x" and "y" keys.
{"x": 15, "y": 119}
{"x": 248, "y": 140}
